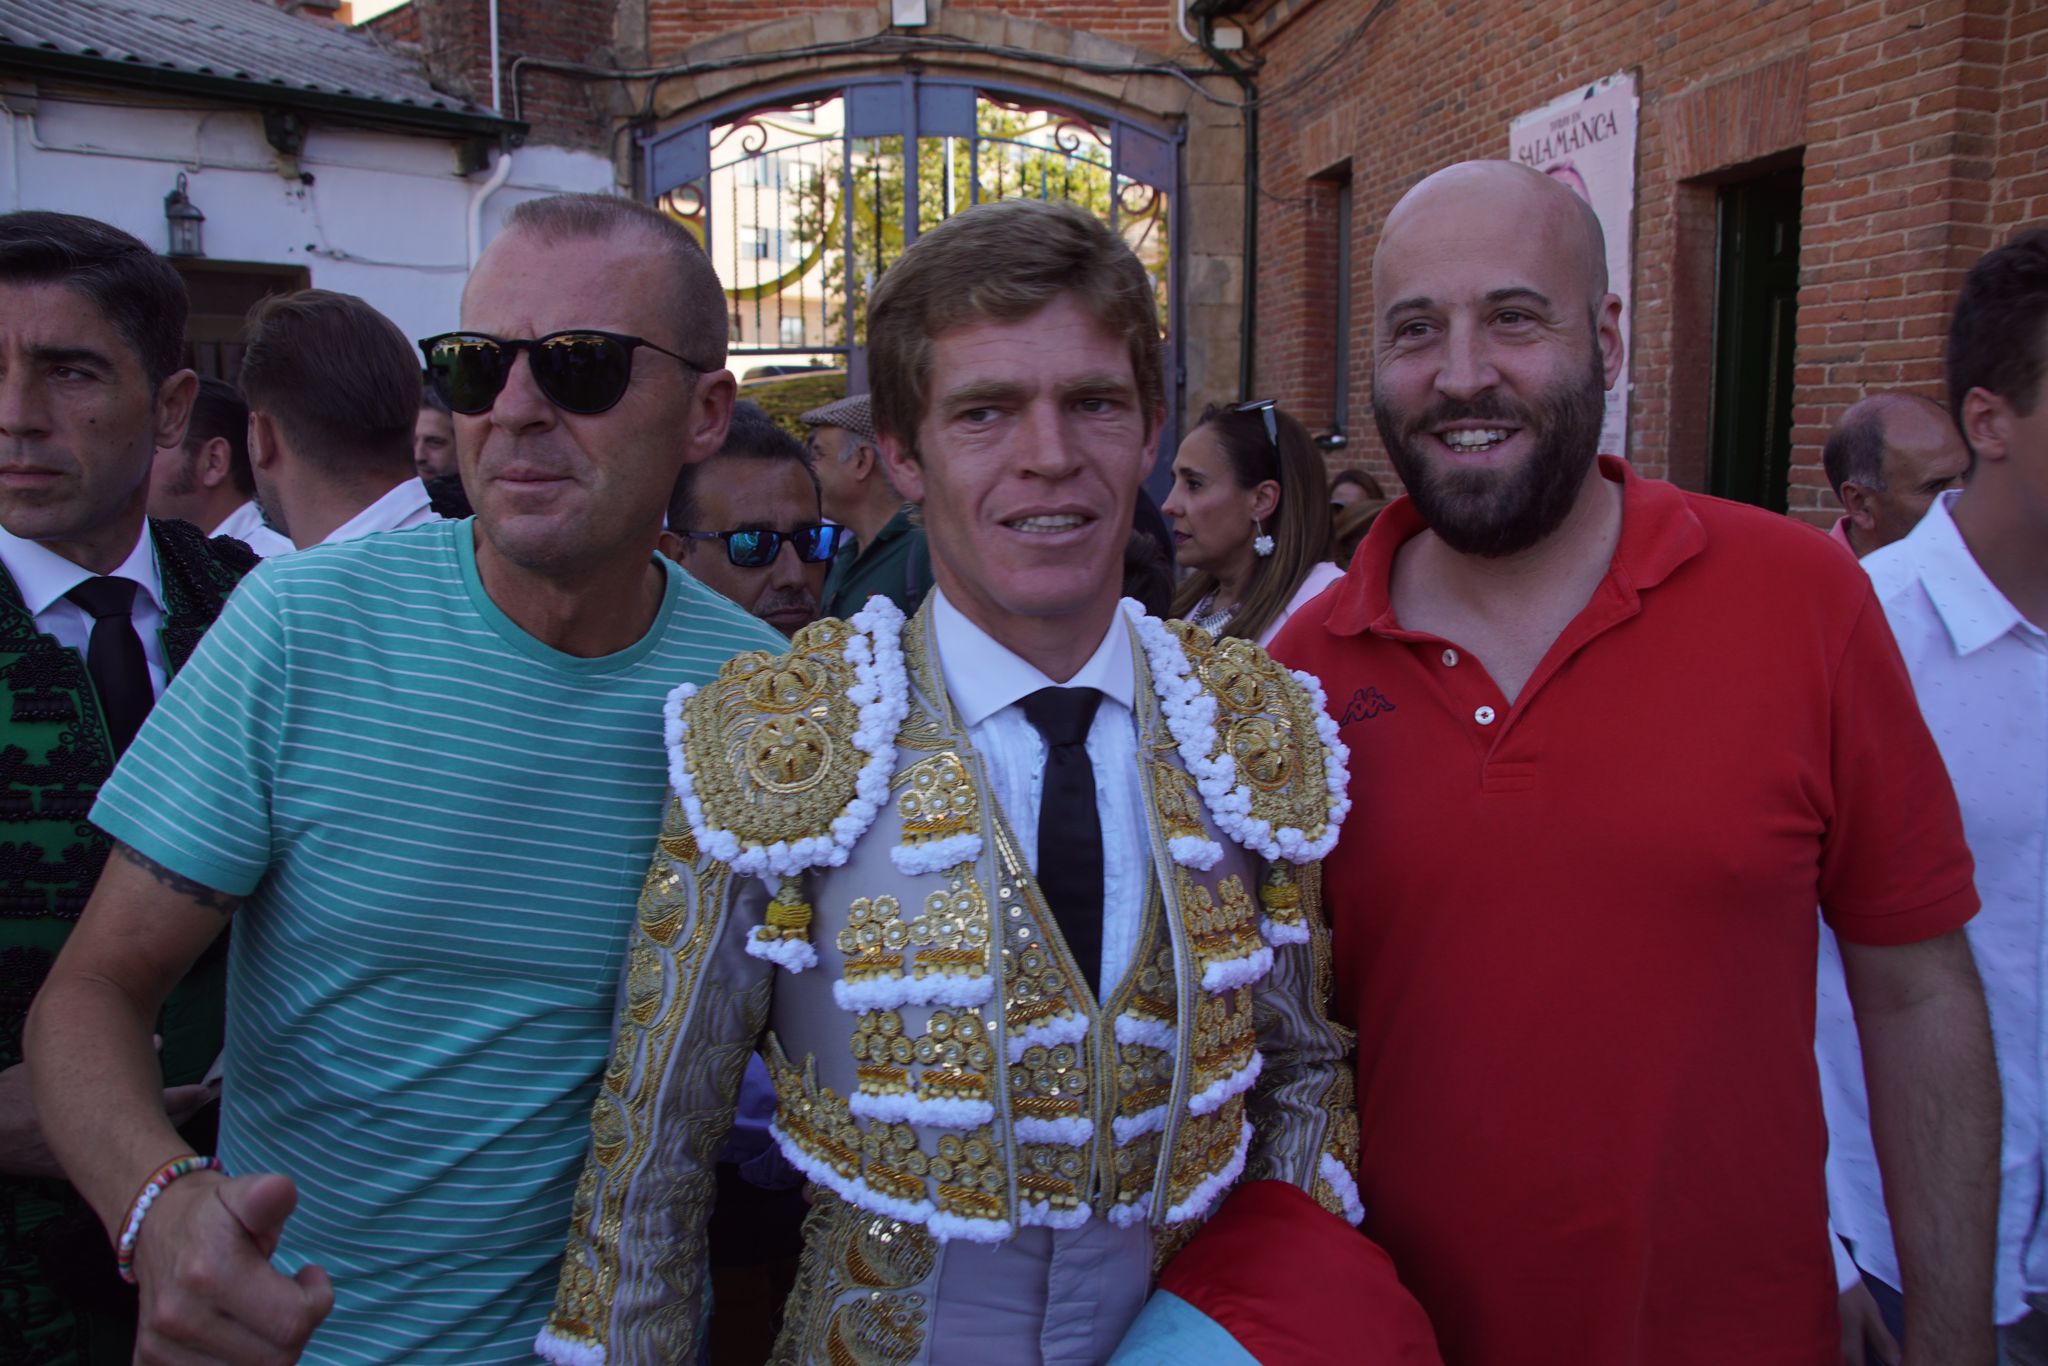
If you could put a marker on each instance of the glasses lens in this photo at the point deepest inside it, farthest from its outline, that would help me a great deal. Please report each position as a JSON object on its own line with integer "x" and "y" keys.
{"x": 467, "y": 371}
{"x": 583, "y": 372}
{"x": 816, "y": 544}
{"x": 752, "y": 549}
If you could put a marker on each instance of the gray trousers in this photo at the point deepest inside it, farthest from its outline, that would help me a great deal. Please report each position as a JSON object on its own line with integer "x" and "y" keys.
{"x": 1046, "y": 1297}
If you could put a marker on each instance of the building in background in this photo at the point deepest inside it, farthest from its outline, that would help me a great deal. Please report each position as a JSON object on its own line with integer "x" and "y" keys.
{"x": 1794, "y": 187}
{"x": 311, "y": 153}
{"x": 808, "y": 144}
{"x": 1811, "y": 179}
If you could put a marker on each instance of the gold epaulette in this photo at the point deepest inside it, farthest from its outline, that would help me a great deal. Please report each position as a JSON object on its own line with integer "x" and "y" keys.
{"x": 1266, "y": 720}
{"x": 769, "y": 743}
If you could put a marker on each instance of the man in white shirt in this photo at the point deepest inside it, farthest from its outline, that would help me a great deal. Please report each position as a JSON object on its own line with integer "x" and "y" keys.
{"x": 1037, "y": 984}
{"x": 1966, "y": 593}
{"x": 334, "y": 393}
{"x": 98, "y": 609}
{"x": 205, "y": 480}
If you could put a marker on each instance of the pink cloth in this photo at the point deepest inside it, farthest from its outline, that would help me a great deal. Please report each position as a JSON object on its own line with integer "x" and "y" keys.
{"x": 1319, "y": 577}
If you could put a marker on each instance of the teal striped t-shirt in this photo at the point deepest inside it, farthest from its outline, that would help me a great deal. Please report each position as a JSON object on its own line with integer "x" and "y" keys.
{"x": 441, "y": 826}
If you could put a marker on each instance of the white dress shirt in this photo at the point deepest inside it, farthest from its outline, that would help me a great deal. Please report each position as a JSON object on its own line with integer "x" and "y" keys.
{"x": 986, "y": 681}
{"x": 246, "y": 525}
{"x": 44, "y": 577}
{"x": 1981, "y": 672}
{"x": 405, "y": 504}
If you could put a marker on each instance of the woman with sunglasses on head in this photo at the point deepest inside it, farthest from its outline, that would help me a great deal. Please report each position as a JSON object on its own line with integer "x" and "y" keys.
{"x": 1250, "y": 509}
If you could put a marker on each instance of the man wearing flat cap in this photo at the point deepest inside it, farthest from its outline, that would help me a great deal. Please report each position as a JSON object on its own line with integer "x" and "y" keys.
{"x": 890, "y": 557}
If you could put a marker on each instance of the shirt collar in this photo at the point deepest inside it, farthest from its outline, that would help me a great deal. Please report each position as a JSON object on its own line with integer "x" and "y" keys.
{"x": 898, "y": 525}
{"x": 43, "y": 576}
{"x": 983, "y": 675}
{"x": 1659, "y": 532}
{"x": 399, "y": 502}
{"x": 1971, "y": 608}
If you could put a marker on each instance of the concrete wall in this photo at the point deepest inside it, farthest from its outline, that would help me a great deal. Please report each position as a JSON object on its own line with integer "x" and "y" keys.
{"x": 383, "y": 216}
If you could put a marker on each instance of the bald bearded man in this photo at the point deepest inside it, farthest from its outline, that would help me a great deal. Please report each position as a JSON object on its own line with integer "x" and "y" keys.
{"x": 1580, "y": 947}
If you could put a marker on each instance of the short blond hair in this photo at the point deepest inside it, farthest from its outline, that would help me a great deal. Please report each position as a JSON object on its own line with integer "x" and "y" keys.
{"x": 1002, "y": 262}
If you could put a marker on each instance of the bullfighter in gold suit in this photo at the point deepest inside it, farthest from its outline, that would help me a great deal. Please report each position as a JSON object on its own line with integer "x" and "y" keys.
{"x": 1023, "y": 1041}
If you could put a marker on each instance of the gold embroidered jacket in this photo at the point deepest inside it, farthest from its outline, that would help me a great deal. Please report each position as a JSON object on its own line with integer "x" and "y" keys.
{"x": 942, "y": 1069}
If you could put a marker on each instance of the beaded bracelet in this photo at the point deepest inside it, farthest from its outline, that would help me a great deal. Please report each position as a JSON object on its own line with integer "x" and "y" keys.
{"x": 124, "y": 1251}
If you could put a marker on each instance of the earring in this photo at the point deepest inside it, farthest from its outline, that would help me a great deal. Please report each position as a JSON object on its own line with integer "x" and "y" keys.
{"x": 1262, "y": 544}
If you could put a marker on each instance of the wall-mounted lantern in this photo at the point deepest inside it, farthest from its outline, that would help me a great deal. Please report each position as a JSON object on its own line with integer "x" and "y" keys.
{"x": 184, "y": 220}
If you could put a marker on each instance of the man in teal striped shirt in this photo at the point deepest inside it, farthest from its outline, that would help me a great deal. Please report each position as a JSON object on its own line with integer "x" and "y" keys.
{"x": 421, "y": 772}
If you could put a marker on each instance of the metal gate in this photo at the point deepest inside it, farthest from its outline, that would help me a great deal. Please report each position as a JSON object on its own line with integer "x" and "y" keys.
{"x": 804, "y": 202}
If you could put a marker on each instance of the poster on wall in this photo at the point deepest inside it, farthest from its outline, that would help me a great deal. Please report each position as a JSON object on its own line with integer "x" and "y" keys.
{"x": 1587, "y": 140}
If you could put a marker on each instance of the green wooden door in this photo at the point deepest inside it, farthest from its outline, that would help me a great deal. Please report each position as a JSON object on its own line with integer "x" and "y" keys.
{"x": 1755, "y": 322}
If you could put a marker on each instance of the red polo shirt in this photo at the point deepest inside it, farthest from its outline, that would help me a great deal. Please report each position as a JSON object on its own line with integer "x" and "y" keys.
{"x": 1576, "y": 935}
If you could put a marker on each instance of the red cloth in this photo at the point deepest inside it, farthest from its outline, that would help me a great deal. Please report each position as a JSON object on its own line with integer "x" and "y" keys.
{"x": 1578, "y": 942}
{"x": 1296, "y": 1285}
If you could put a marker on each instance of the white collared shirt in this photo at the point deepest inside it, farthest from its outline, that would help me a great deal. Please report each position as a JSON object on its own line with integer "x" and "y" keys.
{"x": 1980, "y": 670}
{"x": 405, "y": 504}
{"x": 246, "y": 525}
{"x": 986, "y": 681}
{"x": 44, "y": 577}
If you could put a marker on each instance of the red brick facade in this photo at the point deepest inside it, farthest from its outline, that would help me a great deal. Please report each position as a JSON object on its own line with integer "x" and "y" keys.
{"x": 1921, "y": 130}
{"x": 1920, "y": 127}
{"x": 676, "y": 26}
{"x": 455, "y": 43}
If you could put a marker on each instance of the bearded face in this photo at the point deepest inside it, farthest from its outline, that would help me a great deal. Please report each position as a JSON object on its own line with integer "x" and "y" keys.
{"x": 1491, "y": 509}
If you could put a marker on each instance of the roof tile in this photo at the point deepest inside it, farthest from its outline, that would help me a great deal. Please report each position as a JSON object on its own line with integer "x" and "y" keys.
{"x": 252, "y": 39}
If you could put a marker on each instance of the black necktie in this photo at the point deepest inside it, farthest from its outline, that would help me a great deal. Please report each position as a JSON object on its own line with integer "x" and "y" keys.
{"x": 120, "y": 671}
{"x": 1069, "y": 833}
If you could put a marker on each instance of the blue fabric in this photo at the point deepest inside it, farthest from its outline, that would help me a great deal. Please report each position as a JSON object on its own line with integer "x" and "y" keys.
{"x": 440, "y": 825}
{"x": 1171, "y": 1332}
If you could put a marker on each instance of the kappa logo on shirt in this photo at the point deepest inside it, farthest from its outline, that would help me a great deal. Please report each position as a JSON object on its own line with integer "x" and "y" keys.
{"x": 1365, "y": 704}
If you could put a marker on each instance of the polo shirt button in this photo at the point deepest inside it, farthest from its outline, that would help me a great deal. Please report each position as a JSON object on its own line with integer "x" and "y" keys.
{"x": 1484, "y": 716}
{"x": 1450, "y": 659}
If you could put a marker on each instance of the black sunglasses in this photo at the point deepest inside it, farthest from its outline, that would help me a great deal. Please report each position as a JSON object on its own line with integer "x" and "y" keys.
{"x": 580, "y": 371}
{"x": 1265, "y": 408}
{"x": 753, "y": 549}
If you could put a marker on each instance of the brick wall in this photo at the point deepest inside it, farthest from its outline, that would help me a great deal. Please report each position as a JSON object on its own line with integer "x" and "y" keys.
{"x": 400, "y": 25}
{"x": 1921, "y": 127}
{"x": 454, "y": 39}
{"x": 736, "y": 50}
{"x": 2020, "y": 167}
{"x": 674, "y": 26}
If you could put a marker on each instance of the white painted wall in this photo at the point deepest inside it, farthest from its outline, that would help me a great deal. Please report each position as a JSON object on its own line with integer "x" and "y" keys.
{"x": 385, "y": 216}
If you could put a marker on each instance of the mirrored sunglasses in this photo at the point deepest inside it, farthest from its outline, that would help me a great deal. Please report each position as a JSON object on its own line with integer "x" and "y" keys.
{"x": 580, "y": 371}
{"x": 756, "y": 548}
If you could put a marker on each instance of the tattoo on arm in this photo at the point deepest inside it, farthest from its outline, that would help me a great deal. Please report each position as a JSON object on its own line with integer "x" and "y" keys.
{"x": 198, "y": 891}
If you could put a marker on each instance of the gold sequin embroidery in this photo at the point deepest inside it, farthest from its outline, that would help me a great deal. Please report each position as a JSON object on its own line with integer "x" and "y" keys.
{"x": 1218, "y": 932}
{"x": 767, "y": 745}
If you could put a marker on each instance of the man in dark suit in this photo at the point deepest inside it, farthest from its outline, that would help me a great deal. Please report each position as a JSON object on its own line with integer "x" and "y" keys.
{"x": 99, "y": 607}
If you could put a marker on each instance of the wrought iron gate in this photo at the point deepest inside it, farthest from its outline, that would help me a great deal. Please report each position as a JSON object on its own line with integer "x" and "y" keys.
{"x": 802, "y": 203}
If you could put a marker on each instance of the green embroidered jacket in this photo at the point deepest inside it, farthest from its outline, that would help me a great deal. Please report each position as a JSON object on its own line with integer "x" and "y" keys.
{"x": 54, "y": 756}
